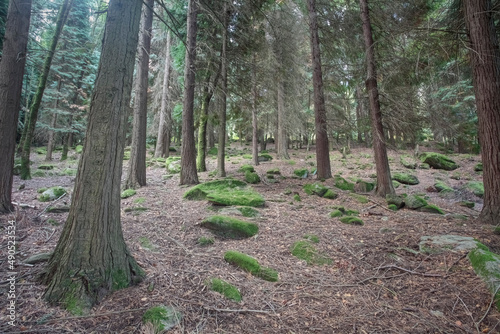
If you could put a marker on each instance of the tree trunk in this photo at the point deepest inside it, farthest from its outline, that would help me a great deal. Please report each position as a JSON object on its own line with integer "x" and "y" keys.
{"x": 188, "y": 148}
{"x": 11, "y": 83}
{"x": 384, "y": 181}
{"x": 30, "y": 122}
{"x": 485, "y": 60}
{"x": 68, "y": 136}
{"x": 282, "y": 138}
{"x": 165, "y": 126}
{"x": 255, "y": 130}
{"x": 91, "y": 259}
{"x": 221, "y": 149}
{"x": 324, "y": 170}
{"x": 137, "y": 164}
{"x": 53, "y": 123}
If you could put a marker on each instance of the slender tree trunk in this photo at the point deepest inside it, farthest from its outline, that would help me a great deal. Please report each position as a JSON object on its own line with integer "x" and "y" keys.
{"x": 11, "y": 84}
{"x": 221, "y": 149}
{"x": 91, "y": 259}
{"x": 384, "y": 180}
{"x": 282, "y": 138}
{"x": 255, "y": 130}
{"x": 165, "y": 126}
{"x": 68, "y": 136}
{"x": 53, "y": 123}
{"x": 188, "y": 154}
{"x": 324, "y": 170}
{"x": 30, "y": 122}
{"x": 485, "y": 61}
{"x": 137, "y": 164}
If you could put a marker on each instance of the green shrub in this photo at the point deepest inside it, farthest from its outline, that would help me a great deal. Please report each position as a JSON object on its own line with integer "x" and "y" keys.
{"x": 227, "y": 290}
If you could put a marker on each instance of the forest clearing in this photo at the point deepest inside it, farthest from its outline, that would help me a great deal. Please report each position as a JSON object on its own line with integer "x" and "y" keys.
{"x": 378, "y": 280}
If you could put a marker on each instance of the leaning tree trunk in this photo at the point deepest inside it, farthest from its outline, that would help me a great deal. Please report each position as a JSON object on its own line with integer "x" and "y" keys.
{"x": 188, "y": 154}
{"x": 91, "y": 259}
{"x": 136, "y": 176}
{"x": 30, "y": 122}
{"x": 384, "y": 181}
{"x": 221, "y": 154}
{"x": 485, "y": 61}
{"x": 165, "y": 124}
{"x": 324, "y": 170}
{"x": 11, "y": 83}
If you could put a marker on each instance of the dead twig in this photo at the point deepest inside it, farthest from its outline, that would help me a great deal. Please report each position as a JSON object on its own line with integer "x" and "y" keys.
{"x": 234, "y": 310}
{"x": 410, "y": 271}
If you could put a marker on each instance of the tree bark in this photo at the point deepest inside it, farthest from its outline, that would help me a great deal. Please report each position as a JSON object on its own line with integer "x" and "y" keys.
{"x": 136, "y": 176}
{"x": 324, "y": 170}
{"x": 53, "y": 123}
{"x": 384, "y": 180}
{"x": 221, "y": 149}
{"x": 30, "y": 122}
{"x": 188, "y": 153}
{"x": 91, "y": 259}
{"x": 255, "y": 129}
{"x": 11, "y": 82}
{"x": 485, "y": 60}
{"x": 165, "y": 125}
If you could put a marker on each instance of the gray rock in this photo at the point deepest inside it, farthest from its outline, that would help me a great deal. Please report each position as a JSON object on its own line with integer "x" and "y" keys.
{"x": 37, "y": 258}
{"x": 440, "y": 243}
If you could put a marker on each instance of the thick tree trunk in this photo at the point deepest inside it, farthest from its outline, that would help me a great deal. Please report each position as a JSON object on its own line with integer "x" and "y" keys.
{"x": 255, "y": 129}
{"x": 30, "y": 122}
{"x": 91, "y": 259}
{"x": 137, "y": 164}
{"x": 11, "y": 83}
{"x": 188, "y": 154}
{"x": 221, "y": 149}
{"x": 384, "y": 181}
{"x": 324, "y": 170}
{"x": 165, "y": 125}
{"x": 485, "y": 61}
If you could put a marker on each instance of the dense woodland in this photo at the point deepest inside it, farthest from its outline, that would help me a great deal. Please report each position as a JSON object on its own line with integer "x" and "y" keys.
{"x": 164, "y": 77}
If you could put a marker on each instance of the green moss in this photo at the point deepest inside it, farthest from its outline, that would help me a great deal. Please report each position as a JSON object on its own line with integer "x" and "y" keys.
{"x": 303, "y": 172}
{"x": 292, "y": 162}
{"x": 268, "y": 274}
{"x": 351, "y": 212}
{"x": 336, "y": 213}
{"x": 70, "y": 171}
{"x": 467, "y": 204}
{"x": 360, "y": 198}
{"x": 127, "y": 193}
{"x": 246, "y": 168}
{"x": 206, "y": 241}
{"x": 120, "y": 280}
{"x": 230, "y": 227}
{"x": 265, "y": 157}
{"x": 243, "y": 197}
{"x": 304, "y": 250}
{"x": 312, "y": 237}
{"x": 79, "y": 148}
{"x": 227, "y": 290}
{"x": 212, "y": 151}
{"x": 46, "y": 167}
{"x": 320, "y": 190}
{"x": 247, "y": 156}
{"x": 441, "y": 186}
{"x": 406, "y": 178}
{"x": 415, "y": 202}
{"x": 146, "y": 243}
{"x": 476, "y": 187}
{"x": 330, "y": 194}
{"x": 162, "y": 318}
{"x": 274, "y": 171}
{"x": 393, "y": 207}
{"x": 342, "y": 183}
{"x": 173, "y": 164}
{"x": 431, "y": 209}
{"x": 496, "y": 230}
{"x": 251, "y": 177}
{"x": 363, "y": 186}
{"x": 51, "y": 194}
{"x": 200, "y": 191}
{"x": 478, "y": 167}
{"x": 296, "y": 198}
{"x": 393, "y": 199}
{"x": 243, "y": 261}
{"x": 438, "y": 161}
{"x": 248, "y": 211}
{"x": 39, "y": 173}
{"x": 351, "y": 220}
{"x": 408, "y": 162}
{"x": 486, "y": 265}
{"x": 41, "y": 190}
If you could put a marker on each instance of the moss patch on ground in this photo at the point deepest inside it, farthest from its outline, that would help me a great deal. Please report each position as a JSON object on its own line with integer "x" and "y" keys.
{"x": 229, "y": 227}
{"x": 304, "y": 250}
{"x": 162, "y": 318}
{"x": 342, "y": 183}
{"x": 225, "y": 192}
{"x": 252, "y": 177}
{"x": 319, "y": 190}
{"x": 127, "y": 193}
{"x": 351, "y": 220}
{"x": 251, "y": 265}
{"x": 224, "y": 288}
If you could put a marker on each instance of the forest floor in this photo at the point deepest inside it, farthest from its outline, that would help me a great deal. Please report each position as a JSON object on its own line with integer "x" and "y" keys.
{"x": 378, "y": 281}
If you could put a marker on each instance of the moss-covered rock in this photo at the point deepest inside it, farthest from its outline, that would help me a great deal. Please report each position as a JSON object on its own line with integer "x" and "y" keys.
{"x": 224, "y": 288}
{"x": 46, "y": 167}
{"x": 173, "y": 164}
{"x": 476, "y": 187}
{"x": 440, "y": 186}
{"x": 330, "y": 194}
{"x": 351, "y": 220}
{"x": 229, "y": 227}
{"x": 252, "y": 177}
{"x": 336, "y": 213}
{"x": 438, "y": 161}
{"x": 264, "y": 157}
{"x": 363, "y": 186}
{"x": 467, "y": 204}
{"x": 393, "y": 199}
{"x": 319, "y": 190}
{"x": 342, "y": 183}
{"x": 487, "y": 266}
{"x": 360, "y": 198}
{"x": 247, "y": 211}
{"x": 128, "y": 193}
{"x": 304, "y": 250}
{"x": 246, "y": 168}
{"x": 200, "y": 191}
{"x": 478, "y": 167}
{"x": 251, "y": 265}
{"x": 393, "y": 207}
{"x": 274, "y": 171}
{"x": 408, "y": 162}
{"x": 302, "y": 172}
{"x": 405, "y": 178}
{"x": 241, "y": 197}
{"x": 430, "y": 208}
{"x": 415, "y": 202}
{"x": 51, "y": 194}
{"x": 162, "y": 318}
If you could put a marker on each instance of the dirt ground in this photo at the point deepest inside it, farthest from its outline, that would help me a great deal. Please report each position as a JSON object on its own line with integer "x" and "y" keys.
{"x": 378, "y": 281}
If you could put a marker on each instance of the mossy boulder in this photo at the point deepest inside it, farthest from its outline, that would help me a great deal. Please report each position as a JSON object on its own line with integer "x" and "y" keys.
{"x": 229, "y": 227}
{"x": 302, "y": 172}
{"x": 264, "y": 157}
{"x": 173, "y": 164}
{"x": 224, "y": 288}
{"x": 405, "y": 178}
{"x": 79, "y": 148}
{"x": 476, "y": 187}
{"x": 415, "y": 202}
{"x": 336, "y": 213}
{"x": 330, "y": 194}
{"x": 478, "y": 167}
{"x": 274, "y": 171}
{"x": 396, "y": 200}
{"x": 128, "y": 193}
{"x": 363, "y": 186}
{"x": 162, "y": 318}
{"x": 250, "y": 265}
{"x": 408, "y": 162}
{"x": 46, "y": 167}
{"x": 247, "y": 211}
{"x": 430, "y": 208}
{"x": 51, "y": 194}
{"x": 242, "y": 197}
{"x": 438, "y": 161}
{"x": 342, "y": 183}
{"x": 304, "y": 250}
{"x": 487, "y": 266}
{"x": 246, "y": 168}
{"x": 351, "y": 220}
{"x": 200, "y": 191}
{"x": 319, "y": 190}
{"x": 252, "y": 177}
{"x": 467, "y": 204}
